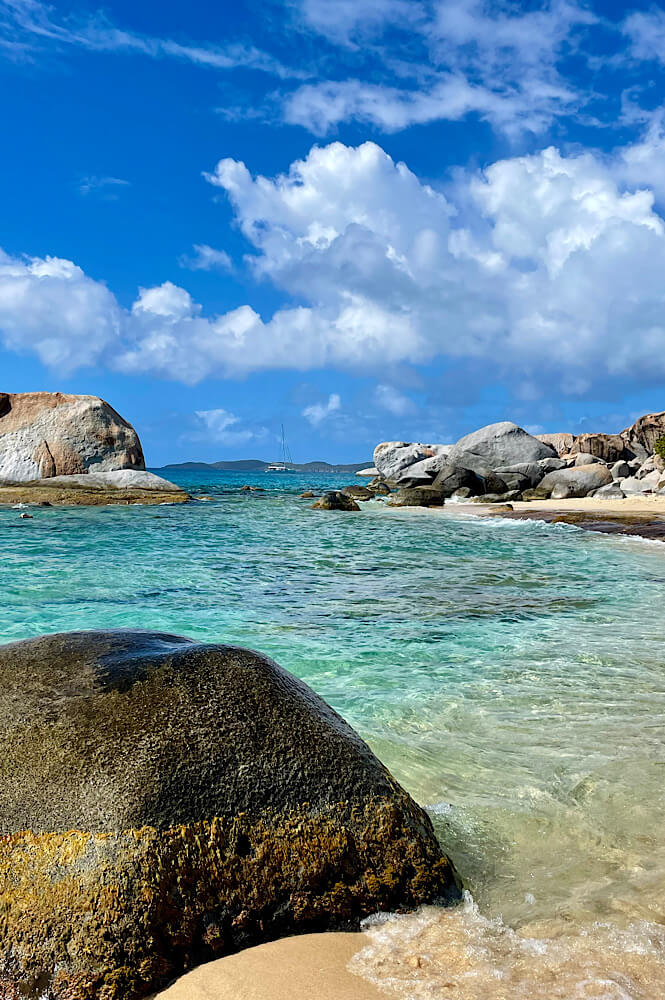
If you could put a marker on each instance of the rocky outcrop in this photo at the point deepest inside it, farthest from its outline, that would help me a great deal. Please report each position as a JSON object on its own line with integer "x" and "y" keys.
{"x": 335, "y": 500}
{"x": 393, "y": 458}
{"x": 96, "y": 489}
{"x": 358, "y": 492}
{"x": 163, "y": 802}
{"x": 576, "y": 482}
{"x": 417, "y": 496}
{"x": 561, "y": 442}
{"x": 608, "y": 447}
{"x": 641, "y": 437}
{"x": 500, "y": 445}
{"x": 47, "y": 434}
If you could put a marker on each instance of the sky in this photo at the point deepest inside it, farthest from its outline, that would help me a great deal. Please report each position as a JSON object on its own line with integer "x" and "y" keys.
{"x": 363, "y": 219}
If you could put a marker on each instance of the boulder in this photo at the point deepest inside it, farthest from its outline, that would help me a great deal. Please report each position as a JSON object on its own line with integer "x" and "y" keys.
{"x": 423, "y": 471}
{"x": 585, "y": 458}
{"x": 392, "y": 458}
{"x": 455, "y": 477}
{"x": 576, "y": 482}
{"x": 609, "y": 447}
{"x": 164, "y": 802}
{"x": 358, "y": 492}
{"x": 507, "y": 497}
{"x": 646, "y": 484}
{"x": 536, "y": 494}
{"x": 551, "y": 464}
{"x": 368, "y": 472}
{"x": 620, "y": 470}
{"x": 379, "y": 488}
{"x": 612, "y": 491}
{"x": 641, "y": 437}
{"x": 123, "y": 479}
{"x": 532, "y": 471}
{"x": 47, "y": 434}
{"x": 561, "y": 442}
{"x": 418, "y": 496}
{"x": 502, "y": 444}
{"x": 652, "y": 464}
{"x": 335, "y": 500}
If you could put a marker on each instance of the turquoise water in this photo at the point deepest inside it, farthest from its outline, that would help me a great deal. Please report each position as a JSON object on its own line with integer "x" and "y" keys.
{"x": 511, "y": 674}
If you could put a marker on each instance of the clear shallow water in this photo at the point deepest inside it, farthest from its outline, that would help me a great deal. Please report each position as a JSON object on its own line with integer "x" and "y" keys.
{"x": 511, "y": 675}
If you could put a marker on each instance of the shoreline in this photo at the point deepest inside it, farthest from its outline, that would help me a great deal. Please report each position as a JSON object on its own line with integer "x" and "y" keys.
{"x": 639, "y": 516}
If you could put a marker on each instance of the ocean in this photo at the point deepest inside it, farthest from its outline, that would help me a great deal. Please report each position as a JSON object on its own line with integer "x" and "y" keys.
{"x": 511, "y": 674}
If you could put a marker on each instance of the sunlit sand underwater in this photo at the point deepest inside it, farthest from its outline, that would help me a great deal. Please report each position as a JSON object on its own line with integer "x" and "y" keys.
{"x": 510, "y": 674}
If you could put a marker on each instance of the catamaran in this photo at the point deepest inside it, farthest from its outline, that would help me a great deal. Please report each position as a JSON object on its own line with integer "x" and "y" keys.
{"x": 285, "y": 462}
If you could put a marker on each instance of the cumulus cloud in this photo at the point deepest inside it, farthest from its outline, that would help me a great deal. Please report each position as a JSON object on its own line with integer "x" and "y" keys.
{"x": 205, "y": 258}
{"x": 546, "y": 269}
{"x": 222, "y": 427}
{"x": 318, "y": 412}
{"x": 389, "y": 399}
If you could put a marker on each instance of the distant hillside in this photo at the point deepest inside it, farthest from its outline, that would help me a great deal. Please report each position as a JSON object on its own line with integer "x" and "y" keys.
{"x": 255, "y": 465}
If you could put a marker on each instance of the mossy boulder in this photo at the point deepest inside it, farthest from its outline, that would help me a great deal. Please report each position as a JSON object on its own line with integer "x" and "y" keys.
{"x": 163, "y": 802}
{"x": 335, "y": 500}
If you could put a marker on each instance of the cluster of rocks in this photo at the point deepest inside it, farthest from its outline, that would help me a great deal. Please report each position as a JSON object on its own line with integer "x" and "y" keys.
{"x": 502, "y": 462}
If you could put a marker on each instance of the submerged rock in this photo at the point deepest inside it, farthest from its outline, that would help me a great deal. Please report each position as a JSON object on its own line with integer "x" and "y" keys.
{"x": 46, "y": 434}
{"x": 163, "y": 802}
{"x": 335, "y": 500}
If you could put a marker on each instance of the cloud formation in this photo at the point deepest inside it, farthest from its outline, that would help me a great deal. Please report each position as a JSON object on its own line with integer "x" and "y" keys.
{"x": 318, "y": 412}
{"x": 545, "y": 268}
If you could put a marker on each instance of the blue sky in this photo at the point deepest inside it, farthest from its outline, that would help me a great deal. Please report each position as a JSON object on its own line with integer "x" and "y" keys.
{"x": 366, "y": 219}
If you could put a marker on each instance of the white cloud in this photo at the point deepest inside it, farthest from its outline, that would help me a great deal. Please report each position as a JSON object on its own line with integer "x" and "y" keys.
{"x": 221, "y": 427}
{"x": 545, "y": 269}
{"x": 107, "y": 187}
{"x": 318, "y": 412}
{"x": 205, "y": 258}
{"x": 26, "y": 26}
{"x": 343, "y": 20}
{"x": 646, "y": 33}
{"x": 389, "y": 399}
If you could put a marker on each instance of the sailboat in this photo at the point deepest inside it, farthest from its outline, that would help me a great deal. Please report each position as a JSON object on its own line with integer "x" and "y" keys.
{"x": 285, "y": 460}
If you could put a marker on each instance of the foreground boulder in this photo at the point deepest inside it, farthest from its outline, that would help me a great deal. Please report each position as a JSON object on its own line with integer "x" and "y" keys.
{"x": 163, "y": 802}
{"x": 500, "y": 445}
{"x": 46, "y": 434}
{"x": 578, "y": 481}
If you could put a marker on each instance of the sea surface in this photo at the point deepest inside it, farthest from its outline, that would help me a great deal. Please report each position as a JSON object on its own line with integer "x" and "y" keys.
{"x": 511, "y": 674}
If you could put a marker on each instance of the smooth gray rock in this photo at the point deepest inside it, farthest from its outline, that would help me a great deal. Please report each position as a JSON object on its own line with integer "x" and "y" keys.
{"x": 532, "y": 471}
{"x": 123, "y": 479}
{"x": 612, "y": 491}
{"x": 647, "y": 484}
{"x": 620, "y": 470}
{"x": 579, "y": 481}
{"x": 502, "y": 444}
{"x": 552, "y": 464}
{"x": 586, "y": 458}
{"x": 47, "y": 434}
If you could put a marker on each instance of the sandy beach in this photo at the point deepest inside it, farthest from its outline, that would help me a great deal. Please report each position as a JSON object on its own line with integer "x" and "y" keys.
{"x": 311, "y": 967}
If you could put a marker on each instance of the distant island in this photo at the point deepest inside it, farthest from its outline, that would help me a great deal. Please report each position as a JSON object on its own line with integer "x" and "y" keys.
{"x": 256, "y": 465}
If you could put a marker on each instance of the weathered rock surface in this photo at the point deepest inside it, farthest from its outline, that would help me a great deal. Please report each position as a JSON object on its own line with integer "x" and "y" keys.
{"x": 418, "y": 496}
{"x": 612, "y": 491}
{"x": 502, "y": 444}
{"x": 392, "y": 458}
{"x": 335, "y": 500}
{"x": 46, "y": 434}
{"x": 650, "y": 483}
{"x": 620, "y": 470}
{"x": 576, "y": 482}
{"x": 609, "y": 447}
{"x": 586, "y": 458}
{"x": 127, "y": 486}
{"x": 163, "y": 802}
{"x": 358, "y": 492}
{"x": 561, "y": 442}
{"x": 643, "y": 434}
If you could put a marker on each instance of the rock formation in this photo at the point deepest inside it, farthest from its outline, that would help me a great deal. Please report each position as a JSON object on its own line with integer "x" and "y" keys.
{"x": 46, "y": 434}
{"x": 502, "y": 444}
{"x": 163, "y": 802}
{"x": 335, "y": 500}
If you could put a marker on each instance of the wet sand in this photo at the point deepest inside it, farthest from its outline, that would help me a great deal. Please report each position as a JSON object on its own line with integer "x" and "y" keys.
{"x": 311, "y": 967}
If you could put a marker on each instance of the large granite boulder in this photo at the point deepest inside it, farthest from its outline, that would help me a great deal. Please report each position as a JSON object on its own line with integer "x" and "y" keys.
{"x": 164, "y": 801}
{"x": 46, "y": 434}
{"x": 641, "y": 437}
{"x": 608, "y": 447}
{"x": 578, "y": 481}
{"x": 562, "y": 442}
{"x": 393, "y": 458}
{"x": 502, "y": 444}
{"x": 418, "y": 496}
